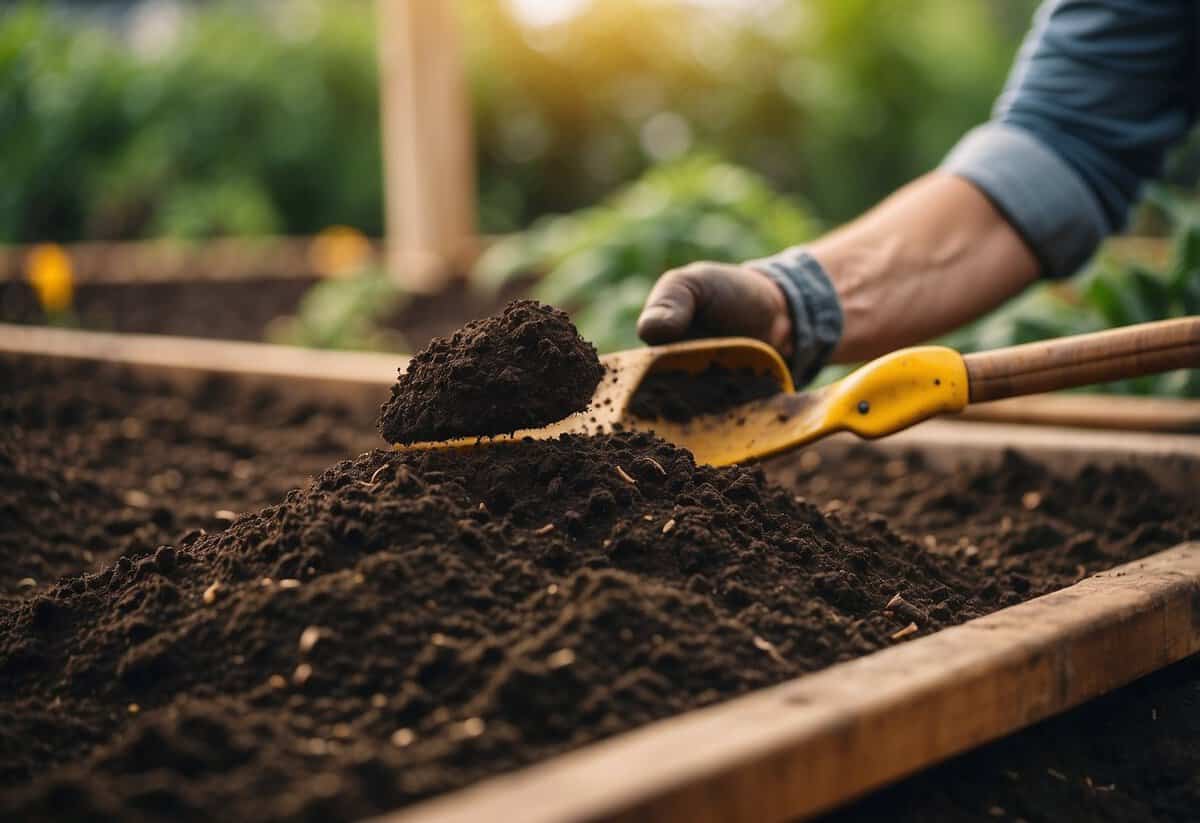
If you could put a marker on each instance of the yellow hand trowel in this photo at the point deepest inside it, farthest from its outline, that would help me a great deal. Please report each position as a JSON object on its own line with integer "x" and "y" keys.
{"x": 880, "y": 398}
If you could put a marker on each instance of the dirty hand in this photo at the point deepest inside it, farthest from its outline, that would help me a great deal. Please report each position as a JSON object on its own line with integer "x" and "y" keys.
{"x": 786, "y": 299}
{"x": 716, "y": 300}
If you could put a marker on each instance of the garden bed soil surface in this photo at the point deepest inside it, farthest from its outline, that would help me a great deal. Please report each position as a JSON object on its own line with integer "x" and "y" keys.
{"x": 241, "y": 309}
{"x": 409, "y": 623}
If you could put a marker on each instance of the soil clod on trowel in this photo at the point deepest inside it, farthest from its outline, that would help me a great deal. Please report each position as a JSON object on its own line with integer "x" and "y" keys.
{"x": 524, "y": 367}
{"x": 679, "y": 396}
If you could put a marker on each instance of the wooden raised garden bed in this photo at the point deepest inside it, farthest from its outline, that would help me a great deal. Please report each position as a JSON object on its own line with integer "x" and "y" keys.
{"x": 816, "y": 741}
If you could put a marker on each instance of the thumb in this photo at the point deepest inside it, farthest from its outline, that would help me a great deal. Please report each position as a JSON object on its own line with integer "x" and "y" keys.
{"x": 669, "y": 310}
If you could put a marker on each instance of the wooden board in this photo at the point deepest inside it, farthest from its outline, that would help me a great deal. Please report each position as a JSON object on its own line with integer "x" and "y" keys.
{"x": 428, "y": 149}
{"x": 1097, "y": 411}
{"x": 812, "y": 743}
{"x": 185, "y": 361}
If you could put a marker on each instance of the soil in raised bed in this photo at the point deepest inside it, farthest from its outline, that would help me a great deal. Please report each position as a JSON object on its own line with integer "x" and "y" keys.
{"x": 243, "y": 309}
{"x": 411, "y": 622}
{"x": 95, "y": 463}
{"x": 524, "y": 367}
{"x": 679, "y": 396}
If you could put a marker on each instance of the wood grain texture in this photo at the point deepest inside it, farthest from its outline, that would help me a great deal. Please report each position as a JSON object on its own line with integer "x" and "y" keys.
{"x": 817, "y": 741}
{"x": 1082, "y": 360}
{"x": 1093, "y": 411}
{"x": 428, "y": 151}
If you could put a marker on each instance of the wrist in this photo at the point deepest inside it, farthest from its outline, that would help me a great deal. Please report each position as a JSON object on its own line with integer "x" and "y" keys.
{"x": 812, "y": 307}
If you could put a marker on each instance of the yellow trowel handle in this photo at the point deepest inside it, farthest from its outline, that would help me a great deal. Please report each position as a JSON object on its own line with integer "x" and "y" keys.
{"x": 1081, "y": 360}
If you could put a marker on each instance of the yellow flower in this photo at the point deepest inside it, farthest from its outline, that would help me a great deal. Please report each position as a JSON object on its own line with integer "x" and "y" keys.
{"x": 339, "y": 251}
{"x": 48, "y": 269}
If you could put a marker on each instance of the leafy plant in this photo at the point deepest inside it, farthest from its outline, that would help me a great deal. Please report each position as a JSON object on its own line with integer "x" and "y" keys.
{"x": 1116, "y": 290}
{"x": 600, "y": 262}
{"x": 344, "y": 313}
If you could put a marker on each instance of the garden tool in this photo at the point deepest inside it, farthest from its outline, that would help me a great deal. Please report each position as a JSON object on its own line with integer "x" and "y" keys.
{"x": 880, "y": 398}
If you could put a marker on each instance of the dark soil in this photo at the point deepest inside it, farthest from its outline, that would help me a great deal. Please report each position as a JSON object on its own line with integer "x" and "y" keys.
{"x": 242, "y": 309}
{"x": 679, "y": 396}
{"x": 423, "y": 627}
{"x": 95, "y": 464}
{"x": 524, "y": 367}
{"x": 227, "y": 310}
{"x": 1015, "y": 519}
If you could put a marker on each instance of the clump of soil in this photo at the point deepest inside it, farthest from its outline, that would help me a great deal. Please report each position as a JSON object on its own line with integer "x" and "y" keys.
{"x": 412, "y": 622}
{"x": 524, "y": 367}
{"x": 679, "y": 396}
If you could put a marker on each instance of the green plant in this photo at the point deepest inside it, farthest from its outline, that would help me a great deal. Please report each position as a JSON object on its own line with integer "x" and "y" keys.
{"x": 344, "y": 313}
{"x": 1115, "y": 290}
{"x": 600, "y": 262}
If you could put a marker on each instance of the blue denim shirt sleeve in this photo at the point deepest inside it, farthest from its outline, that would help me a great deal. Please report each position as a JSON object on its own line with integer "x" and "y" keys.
{"x": 1100, "y": 90}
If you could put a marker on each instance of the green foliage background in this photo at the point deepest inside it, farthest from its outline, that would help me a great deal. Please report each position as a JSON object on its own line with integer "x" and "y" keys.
{"x": 263, "y": 117}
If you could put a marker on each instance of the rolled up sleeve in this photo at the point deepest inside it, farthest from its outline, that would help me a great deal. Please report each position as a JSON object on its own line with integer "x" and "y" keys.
{"x": 1099, "y": 91}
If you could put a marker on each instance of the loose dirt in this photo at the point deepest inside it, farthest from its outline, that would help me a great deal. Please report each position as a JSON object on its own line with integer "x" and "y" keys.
{"x": 409, "y": 623}
{"x": 679, "y": 396}
{"x": 525, "y": 367}
{"x": 95, "y": 463}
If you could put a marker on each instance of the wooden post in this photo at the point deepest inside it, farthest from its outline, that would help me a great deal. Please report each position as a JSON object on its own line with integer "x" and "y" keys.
{"x": 428, "y": 151}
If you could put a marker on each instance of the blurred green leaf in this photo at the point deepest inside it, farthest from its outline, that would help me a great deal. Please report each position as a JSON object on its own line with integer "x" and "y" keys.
{"x": 601, "y": 261}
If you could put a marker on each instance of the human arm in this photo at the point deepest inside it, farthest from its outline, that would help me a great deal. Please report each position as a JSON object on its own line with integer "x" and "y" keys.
{"x": 1099, "y": 91}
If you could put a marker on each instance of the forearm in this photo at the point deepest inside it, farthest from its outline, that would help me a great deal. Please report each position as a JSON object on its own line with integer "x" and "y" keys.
{"x": 934, "y": 255}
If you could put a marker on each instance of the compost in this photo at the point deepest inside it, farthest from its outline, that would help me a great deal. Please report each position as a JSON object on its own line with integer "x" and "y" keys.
{"x": 408, "y": 623}
{"x": 679, "y": 396}
{"x": 523, "y": 368}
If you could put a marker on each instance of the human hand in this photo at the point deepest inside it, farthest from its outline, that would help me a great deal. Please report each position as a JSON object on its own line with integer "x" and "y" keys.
{"x": 716, "y": 300}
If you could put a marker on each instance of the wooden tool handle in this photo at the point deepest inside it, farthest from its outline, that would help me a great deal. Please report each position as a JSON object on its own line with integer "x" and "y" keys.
{"x": 1066, "y": 362}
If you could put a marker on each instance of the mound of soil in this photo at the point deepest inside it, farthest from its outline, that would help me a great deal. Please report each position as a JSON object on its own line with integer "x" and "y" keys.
{"x": 525, "y": 367}
{"x": 679, "y": 396}
{"x": 412, "y": 622}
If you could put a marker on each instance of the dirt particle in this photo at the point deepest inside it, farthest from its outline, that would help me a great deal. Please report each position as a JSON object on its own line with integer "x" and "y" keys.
{"x": 136, "y": 498}
{"x": 560, "y": 659}
{"x": 309, "y": 638}
{"x": 210, "y": 594}
{"x": 302, "y": 674}
{"x": 403, "y": 737}
{"x": 467, "y": 729}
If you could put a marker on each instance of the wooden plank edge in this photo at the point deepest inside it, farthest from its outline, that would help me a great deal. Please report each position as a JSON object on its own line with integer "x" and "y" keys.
{"x": 150, "y": 262}
{"x": 1098, "y": 411}
{"x": 197, "y": 354}
{"x": 1172, "y": 460}
{"x": 818, "y": 741}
